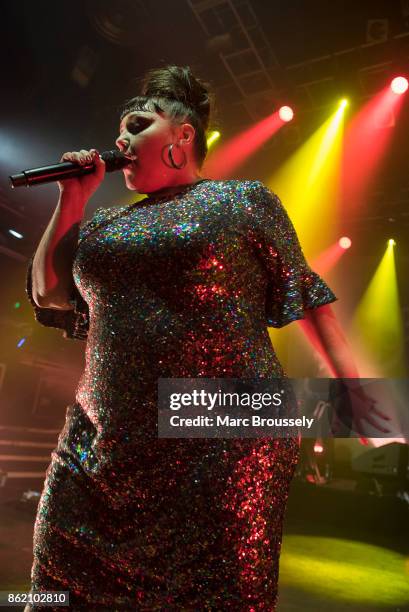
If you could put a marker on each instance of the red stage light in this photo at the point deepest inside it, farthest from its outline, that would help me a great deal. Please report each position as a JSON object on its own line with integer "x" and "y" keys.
{"x": 286, "y": 113}
{"x": 399, "y": 85}
{"x": 344, "y": 242}
{"x": 318, "y": 447}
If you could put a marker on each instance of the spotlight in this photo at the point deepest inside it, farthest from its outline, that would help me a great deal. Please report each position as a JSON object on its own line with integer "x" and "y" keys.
{"x": 344, "y": 242}
{"x": 343, "y": 103}
{"x": 391, "y": 242}
{"x": 15, "y": 234}
{"x": 318, "y": 447}
{"x": 215, "y": 135}
{"x": 399, "y": 85}
{"x": 286, "y": 113}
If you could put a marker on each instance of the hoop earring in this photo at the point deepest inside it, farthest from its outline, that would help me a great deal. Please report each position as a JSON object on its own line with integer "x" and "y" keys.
{"x": 172, "y": 161}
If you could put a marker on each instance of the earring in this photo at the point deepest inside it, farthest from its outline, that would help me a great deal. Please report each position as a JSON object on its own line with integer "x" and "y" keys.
{"x": 172, "y": 161}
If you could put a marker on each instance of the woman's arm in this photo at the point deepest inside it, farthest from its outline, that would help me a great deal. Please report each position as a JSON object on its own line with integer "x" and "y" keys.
{"x": 323, "y": 330}
{"x": 52, "y": 282}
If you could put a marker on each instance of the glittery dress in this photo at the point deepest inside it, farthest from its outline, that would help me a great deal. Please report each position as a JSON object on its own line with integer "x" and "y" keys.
{"x": 182, "y": 287}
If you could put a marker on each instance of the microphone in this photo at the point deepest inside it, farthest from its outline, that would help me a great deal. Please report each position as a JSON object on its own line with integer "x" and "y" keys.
{"x": 114, "y": 160}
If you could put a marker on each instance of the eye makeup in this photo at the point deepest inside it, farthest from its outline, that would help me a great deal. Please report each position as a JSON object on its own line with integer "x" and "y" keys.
{"x": 134, "y": 123}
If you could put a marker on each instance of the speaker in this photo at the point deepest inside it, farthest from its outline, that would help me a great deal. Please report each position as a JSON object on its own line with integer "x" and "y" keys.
{"x": 390, "y": 460}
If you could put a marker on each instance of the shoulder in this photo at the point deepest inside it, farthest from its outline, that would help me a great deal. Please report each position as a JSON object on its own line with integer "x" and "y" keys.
{"x": 243, "y": 190}
{"x": 252, "y": 199}
{"x": 250, "y": 202}
{"x": 247, "y": 188}
{"x": 258, "y": 192}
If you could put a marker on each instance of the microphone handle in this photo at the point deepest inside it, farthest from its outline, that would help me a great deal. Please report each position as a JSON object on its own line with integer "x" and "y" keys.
{"x": 48, "y": 174}
{"x": 114, "y": 160}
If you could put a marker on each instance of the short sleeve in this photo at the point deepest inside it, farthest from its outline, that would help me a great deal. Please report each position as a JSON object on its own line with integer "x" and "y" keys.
{"x": 292, "y": 286}
{"x": 75, "y": 322}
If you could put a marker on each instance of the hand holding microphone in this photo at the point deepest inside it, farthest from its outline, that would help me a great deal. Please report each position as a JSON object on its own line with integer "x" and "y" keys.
{"x": 82, "y": 187}
{"x": 79, "y": 171}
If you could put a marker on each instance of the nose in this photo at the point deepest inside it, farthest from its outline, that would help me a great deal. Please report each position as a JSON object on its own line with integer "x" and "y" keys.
{"x": 121, "y": 144}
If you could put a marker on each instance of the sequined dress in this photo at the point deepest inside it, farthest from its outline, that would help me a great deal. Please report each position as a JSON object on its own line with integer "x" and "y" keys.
{"x": 179, "y": 287}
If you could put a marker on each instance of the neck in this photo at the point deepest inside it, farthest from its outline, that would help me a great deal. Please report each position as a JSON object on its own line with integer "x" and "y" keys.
{"x": 177, "y": 183}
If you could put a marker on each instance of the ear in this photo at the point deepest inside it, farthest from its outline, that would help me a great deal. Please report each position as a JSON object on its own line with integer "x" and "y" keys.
{"x": 186, "y": 134}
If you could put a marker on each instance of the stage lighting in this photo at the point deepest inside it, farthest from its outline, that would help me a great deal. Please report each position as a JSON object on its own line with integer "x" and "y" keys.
{"x": 343, "y": 103}
{"x": 399, "y": 85}
{"x": 215, "y": 135}
{"x": 391, "y": 242}
{"x": 318, "y": 447}
{"x": 286, "y": 113}
{"x": 344, "y": 242}
{"x": 15, "y": 234}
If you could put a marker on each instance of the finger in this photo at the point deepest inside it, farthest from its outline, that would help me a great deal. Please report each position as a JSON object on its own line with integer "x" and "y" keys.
{"x": 98, "y": 162}
{"x": 85, "y": 156}
{"x": 72, "y": 156}
{"x": 375, "y": 424}
{"x": 95, "y": 155}
{"x": 68, "y": 156}
{"x": 381, "y": 414}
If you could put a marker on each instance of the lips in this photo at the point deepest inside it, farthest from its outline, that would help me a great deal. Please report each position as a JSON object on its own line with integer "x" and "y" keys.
{"x": 133, "y": 159}
{"x": 131, "y": 168}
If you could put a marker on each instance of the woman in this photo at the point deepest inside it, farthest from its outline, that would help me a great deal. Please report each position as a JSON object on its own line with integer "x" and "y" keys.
{"x": 180, "y": 284}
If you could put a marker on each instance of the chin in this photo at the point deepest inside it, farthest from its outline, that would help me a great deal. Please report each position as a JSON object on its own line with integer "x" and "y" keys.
{"x": 130, "y": 185}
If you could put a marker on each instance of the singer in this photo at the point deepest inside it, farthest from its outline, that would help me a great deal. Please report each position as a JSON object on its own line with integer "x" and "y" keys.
{"x": 180, "y": 284}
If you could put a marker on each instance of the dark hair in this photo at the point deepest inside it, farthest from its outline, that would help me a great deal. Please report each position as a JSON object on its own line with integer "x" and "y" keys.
{"x": 184, "y": 98}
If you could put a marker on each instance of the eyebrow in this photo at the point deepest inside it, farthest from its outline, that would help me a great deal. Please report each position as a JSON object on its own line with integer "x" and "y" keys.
{"x": 134, "y": 114}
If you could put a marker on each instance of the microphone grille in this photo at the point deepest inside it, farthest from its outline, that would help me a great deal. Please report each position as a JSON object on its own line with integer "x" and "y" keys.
{"x": 114, "y": 160}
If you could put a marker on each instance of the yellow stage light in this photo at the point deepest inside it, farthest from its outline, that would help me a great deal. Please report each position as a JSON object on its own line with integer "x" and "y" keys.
{"x": 213, "y": 136}
{"x": 308, "y": 185}
{"x": 378, "y": 318}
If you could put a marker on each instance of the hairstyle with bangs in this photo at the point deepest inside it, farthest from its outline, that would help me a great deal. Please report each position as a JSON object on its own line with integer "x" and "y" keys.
{"x": 174, "y": 90}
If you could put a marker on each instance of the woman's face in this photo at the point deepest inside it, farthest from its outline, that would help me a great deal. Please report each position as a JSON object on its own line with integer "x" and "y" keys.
{"x": 145, "y": 135}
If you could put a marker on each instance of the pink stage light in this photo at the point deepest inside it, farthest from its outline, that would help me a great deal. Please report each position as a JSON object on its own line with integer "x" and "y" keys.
{"x": 286, "y": 113}
{"x": 224, "y": 162}
{"x": 399, "y": 85}
{"x": 344, "y": 242}
{"x": 318, "y": 448}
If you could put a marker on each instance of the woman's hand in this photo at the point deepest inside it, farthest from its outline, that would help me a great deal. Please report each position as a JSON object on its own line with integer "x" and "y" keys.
{"x": 324, "y": 332}
{"x": 363, "y": 409}
{"x": 82, "y": 188}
